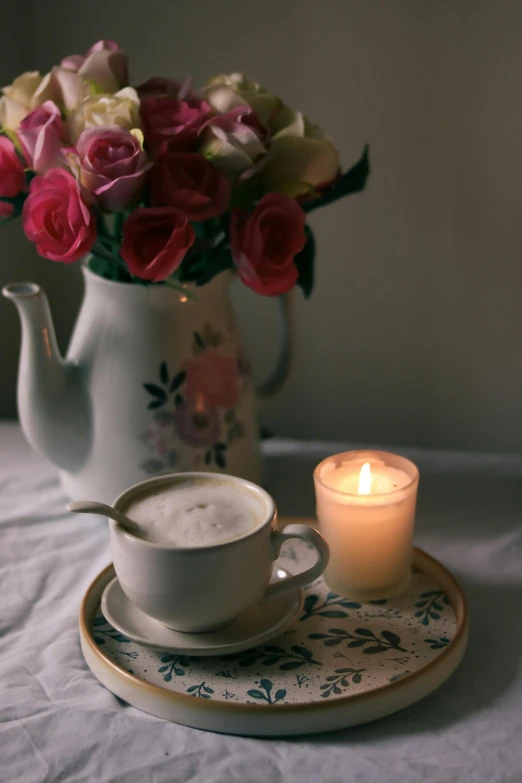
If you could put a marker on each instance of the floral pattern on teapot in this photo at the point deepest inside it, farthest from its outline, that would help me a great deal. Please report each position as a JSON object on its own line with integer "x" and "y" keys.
{"x": 196, "y": 405}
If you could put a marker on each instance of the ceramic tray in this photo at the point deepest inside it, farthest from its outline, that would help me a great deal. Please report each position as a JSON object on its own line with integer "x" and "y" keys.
{"x": 339, "y": 664}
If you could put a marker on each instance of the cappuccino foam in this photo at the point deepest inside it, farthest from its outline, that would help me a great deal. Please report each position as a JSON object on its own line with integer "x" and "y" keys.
{"x": 196, "y": 513}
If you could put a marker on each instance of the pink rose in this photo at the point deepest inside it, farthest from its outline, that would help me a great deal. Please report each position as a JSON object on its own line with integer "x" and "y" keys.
{"x": 177, "y": 116}
{"x": 104, "y": 64}
{"x": 234, "y": 142}
{"x": 41, "y": 134}
{"x": 155, "y": 242}
{"x": 6, "y": 209}
{"x": 265, "y": 243}
{"x": 212, "y": 379}
{"x": 113, "y": 166}
{"x": 56, "y": 219}
{"x": 12, "y": 177}
{"x": 189, "y": 182}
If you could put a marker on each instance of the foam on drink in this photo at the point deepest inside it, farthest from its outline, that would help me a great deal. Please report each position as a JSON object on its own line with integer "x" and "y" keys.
{"x": 196, "y": 513}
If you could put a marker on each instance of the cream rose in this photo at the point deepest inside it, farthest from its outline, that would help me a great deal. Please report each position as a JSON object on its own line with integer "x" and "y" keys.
{"x": 65, "y": 88}
{"x": 301, "y": 156}
{"x": 228, "y": 91}
{"x": 121, "y": 109}
{"x": 20, "y": 98}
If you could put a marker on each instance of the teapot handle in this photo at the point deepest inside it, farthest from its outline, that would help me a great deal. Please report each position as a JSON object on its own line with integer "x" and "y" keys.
{"x": 275, "y": 383}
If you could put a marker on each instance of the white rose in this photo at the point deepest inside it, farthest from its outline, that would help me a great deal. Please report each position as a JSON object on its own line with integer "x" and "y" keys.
{"x": 19, "y": 99}
{"x": 239, "y": 82}
{"x": 225, "y": 92}
{"x": 301, "y": 156}
{"x": 30, "y": 90}
{"x": 121, "y": 109}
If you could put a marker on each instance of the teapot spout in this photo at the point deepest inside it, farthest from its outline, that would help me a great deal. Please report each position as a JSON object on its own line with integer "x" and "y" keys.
{"x": 52, "y": 401}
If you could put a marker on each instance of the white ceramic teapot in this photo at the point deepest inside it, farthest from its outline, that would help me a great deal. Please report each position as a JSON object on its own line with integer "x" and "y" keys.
{"x": 153, "y": 382}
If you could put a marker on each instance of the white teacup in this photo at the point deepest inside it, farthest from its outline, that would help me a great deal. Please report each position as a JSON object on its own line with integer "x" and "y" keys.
{"x": 201, "y": 588}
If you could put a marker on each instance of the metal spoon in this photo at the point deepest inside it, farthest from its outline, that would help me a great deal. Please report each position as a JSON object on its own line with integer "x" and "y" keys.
{"x": 92, "y": 507}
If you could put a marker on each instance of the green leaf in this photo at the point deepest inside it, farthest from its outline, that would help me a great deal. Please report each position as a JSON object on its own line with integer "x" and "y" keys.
{"x": 357, "y": 643}
{"x": 310, "y": 602}
{"x": 178, "y": 400}
{"x": 364, "y": 632}
{"x": 280, "y": 694}
{"x": 266, "y": 684}
{"x": 350, "y": 604}
{"x": 356, "y": 678}
{"x": 270, "y": 661}
{"x": 290, "y": 665}
{"x": 332, "y": 642}
{"x": 391, "y": 637}
{"x": 199, "y": 340}
{"x": 352, "y": 181}
{"x": 337, "y": 631}
{"x": 302, "y": 651}
{"x": 192, "y": 689}
{"x": 156, "y": 391}
{"x": 220, "y": 459}
{"x": 164, "y": 373}
{"x": 256, "y": 694}
{"x": 177, "y": 381}
{"x": 156, "y": 404}
{"x": 334, "y": 613}
{"x": 378, "y": 648}
{"x": 304, "y": 262}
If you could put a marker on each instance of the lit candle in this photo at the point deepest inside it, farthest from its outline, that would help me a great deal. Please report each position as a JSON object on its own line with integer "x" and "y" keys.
{"x": 366, "y": 510}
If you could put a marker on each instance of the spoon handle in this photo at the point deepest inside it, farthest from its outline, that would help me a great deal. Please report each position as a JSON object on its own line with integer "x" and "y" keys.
{"x": 93, "y": 507}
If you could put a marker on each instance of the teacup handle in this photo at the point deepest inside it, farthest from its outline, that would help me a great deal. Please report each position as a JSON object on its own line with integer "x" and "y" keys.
{"x": 311, "y": 536}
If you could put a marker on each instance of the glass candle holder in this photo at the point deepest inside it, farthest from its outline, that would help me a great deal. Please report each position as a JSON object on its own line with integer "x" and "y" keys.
{"x": 366, "y": 511}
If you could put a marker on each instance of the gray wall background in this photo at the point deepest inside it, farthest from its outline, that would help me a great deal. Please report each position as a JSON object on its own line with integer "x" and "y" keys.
{"x": 414, "y": 333}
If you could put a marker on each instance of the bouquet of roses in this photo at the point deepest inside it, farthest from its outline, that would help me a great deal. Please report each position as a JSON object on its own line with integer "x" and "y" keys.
{"x": 161, "y": 184}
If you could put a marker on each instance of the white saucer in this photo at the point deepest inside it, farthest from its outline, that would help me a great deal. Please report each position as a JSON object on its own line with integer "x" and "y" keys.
{"x": 255, "y": 626}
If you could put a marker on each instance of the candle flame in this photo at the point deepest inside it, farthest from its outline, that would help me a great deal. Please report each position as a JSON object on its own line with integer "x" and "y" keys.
{"x": 365, "y": 479}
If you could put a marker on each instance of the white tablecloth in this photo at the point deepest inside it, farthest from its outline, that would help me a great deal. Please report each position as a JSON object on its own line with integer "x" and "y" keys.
{"x": 57, "y": 723}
